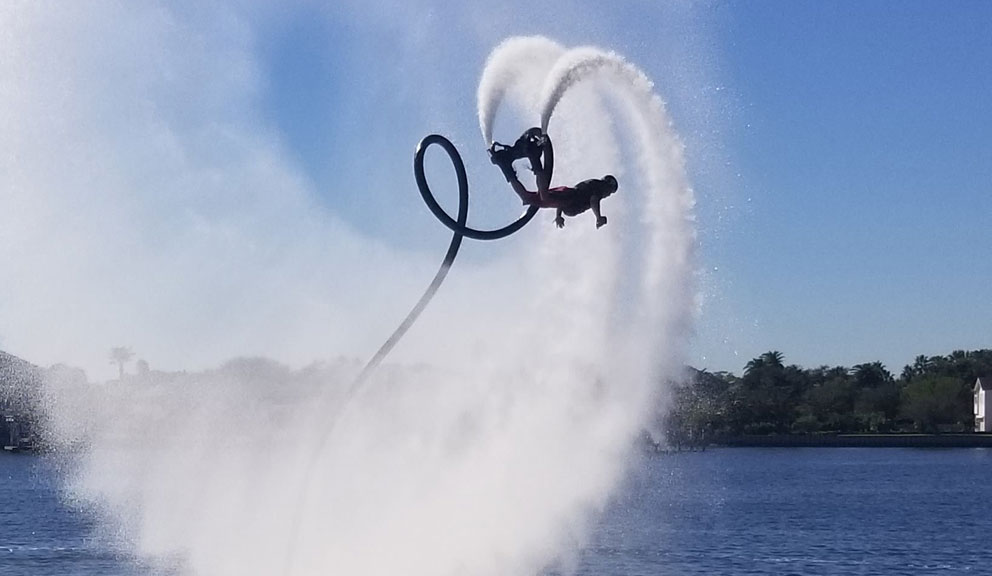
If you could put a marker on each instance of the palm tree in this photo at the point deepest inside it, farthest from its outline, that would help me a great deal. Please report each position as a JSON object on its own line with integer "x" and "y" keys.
{"x": 753, "y": 365}
{"x": 871, "y": 375}
{"x": 922, "y": 364}
{"x": 907, "y": 373}
{"x": 120, "y": 355}
{"x": 773, "y": 359}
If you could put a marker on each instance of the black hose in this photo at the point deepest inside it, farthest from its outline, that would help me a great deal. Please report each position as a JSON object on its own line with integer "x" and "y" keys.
{"x": 457, "y": 226}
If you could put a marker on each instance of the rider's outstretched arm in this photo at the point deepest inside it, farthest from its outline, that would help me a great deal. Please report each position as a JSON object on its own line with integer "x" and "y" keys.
{"x": 594, "y": 204}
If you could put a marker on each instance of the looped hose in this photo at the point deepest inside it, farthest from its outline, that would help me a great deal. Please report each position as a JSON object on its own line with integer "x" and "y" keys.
{"x": 456, "y": 225}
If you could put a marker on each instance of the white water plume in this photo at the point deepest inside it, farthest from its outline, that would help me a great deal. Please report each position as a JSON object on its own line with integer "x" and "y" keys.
{"x": 667, "y": 209}
{"x": 517, "y": 64}
{"x": 491, "y": 463}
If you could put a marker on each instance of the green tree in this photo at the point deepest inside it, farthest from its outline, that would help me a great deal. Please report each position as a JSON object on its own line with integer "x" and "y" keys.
{"x": 968, "y": 365}
{"x": 830, "y": 405}
{"x": 699, "y": 409}
{"x": 921, "y": 365}
{"x": 767, "y": 398}
{"x": 772, "y": 359}
{"x": 934, "y": 403}
{"x": 933, "y": 394}
{"x": 877, "y": 409}
{"x": 870, "y": 375}
{"x": 877, "y": 398}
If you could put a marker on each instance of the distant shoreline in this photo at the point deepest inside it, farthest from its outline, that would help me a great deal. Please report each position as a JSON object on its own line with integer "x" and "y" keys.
{"x": 857, "y": 441}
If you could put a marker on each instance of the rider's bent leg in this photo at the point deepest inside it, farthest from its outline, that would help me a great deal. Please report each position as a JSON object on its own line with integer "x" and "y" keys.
{"x": 526, "y": 196}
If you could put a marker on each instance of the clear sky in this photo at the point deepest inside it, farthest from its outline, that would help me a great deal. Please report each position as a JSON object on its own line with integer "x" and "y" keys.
{"x": 863, "y": 141}
{"x": 839, "y": 151}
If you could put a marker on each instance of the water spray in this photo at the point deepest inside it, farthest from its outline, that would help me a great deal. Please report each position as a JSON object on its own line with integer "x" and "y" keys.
{"x": 560, "y": 71}
{"x": 460, "y": 230}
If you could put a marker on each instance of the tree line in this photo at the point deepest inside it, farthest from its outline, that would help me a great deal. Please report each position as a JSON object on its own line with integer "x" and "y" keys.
{"x": 933, "y": 394}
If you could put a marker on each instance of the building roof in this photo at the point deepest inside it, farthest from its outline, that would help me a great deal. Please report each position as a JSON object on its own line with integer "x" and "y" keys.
{"x": 985, "y": 382}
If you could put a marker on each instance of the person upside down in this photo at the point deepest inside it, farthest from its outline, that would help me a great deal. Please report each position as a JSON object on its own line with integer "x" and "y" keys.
{"x": 567, "y": 200}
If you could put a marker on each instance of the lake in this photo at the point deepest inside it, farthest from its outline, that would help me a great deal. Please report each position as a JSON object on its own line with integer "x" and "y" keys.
{"x": 741, "y": 511}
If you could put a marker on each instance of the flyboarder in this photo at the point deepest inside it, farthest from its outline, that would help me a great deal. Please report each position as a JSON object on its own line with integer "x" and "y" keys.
{"x": 567, "y": 200}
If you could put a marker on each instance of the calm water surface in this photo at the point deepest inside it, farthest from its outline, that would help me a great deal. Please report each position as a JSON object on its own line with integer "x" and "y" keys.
{"x": 743, "y": 511}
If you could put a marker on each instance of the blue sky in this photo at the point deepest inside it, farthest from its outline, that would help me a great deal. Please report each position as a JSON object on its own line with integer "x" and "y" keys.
{"x": 842, "y": 164}
{"x": 839, "y": 154}
{"x": 867, "y": 159}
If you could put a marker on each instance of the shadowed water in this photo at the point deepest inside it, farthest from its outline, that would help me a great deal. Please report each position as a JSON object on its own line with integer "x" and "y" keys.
{"x": 41, "y": 535}
{"x": 734, "y": 512}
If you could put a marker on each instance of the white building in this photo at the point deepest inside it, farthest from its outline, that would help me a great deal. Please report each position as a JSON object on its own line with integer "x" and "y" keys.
{"x": 983, "y": 404}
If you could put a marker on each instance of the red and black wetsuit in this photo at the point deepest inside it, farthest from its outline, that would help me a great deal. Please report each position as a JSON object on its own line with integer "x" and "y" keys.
{"x": 572, "y": 200}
